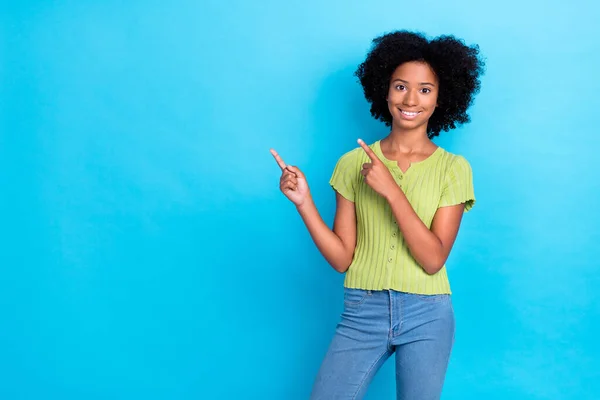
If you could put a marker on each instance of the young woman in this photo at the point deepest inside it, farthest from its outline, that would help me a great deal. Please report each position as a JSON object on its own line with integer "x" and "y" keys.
{"x": 400, "y": 202}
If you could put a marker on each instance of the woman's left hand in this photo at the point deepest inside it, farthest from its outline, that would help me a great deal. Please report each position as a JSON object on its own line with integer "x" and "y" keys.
{"x": 377, "y": 175}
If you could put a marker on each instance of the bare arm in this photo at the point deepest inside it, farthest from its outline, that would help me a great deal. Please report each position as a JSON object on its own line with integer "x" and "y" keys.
{"x": 430, "y": 247}
{"x": 337, "y": 245}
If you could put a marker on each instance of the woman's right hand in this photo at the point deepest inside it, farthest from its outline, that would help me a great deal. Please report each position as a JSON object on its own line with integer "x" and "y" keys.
{"x": 292, "y": 183}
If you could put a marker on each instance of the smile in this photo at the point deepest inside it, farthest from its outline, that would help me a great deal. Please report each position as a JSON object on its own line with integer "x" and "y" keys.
{"x": 409, "y": 115}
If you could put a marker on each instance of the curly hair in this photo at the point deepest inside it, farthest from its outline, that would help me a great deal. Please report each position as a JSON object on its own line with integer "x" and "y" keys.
{"x": 456, "y": 65}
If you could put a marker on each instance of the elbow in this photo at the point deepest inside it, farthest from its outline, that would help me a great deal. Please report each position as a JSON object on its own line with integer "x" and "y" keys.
{"x": 340, "y": 269}
{"x": 432, "y": 269}
{"x": 343, "y": 265}
{"x": 433, "y": 266}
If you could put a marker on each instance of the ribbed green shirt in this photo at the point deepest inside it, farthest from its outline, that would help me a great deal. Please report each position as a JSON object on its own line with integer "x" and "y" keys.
{"x": 382, "y": 259}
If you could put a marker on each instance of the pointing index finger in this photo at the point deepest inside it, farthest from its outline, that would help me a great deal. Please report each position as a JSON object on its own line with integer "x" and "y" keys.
{"x": 368, "y": 150}
{"x": 278, "y": 159}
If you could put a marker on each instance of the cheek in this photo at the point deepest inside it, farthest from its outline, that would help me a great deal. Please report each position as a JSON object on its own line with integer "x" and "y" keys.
{"x": 434, "y": 100}
{"x": 430, "y": 103}
{"x": 390, "y": 96}
{"x": 394, "y": 97}
{"x": 390, "y": 103}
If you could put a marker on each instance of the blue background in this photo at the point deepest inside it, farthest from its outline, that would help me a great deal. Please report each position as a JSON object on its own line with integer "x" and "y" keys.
{"x": 147, "y": 252}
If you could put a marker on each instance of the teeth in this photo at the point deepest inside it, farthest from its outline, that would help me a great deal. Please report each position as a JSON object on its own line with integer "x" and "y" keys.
{"x": 411, "y": 114}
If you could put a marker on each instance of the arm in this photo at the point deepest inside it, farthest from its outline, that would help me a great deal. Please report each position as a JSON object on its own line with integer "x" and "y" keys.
{"x": 430, "y": 247}
{"x": 336, "y": 246}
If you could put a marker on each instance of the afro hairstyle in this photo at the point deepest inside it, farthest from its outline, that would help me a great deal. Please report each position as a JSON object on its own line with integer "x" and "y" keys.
{"x": 456, "y": 65}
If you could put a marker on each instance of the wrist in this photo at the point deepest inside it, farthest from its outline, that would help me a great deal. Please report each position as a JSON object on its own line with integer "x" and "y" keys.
{"x": 394, "y": 194}
{"x": 306, "y": 204}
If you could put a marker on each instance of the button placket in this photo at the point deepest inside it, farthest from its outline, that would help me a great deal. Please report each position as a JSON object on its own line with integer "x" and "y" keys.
{"x": 400, "y": 178}
{"x": 392, "y": 251}
{"x": 392, "y": 248}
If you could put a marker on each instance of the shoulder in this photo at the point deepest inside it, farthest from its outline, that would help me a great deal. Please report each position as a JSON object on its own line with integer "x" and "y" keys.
{"x": 352, "y": 159}
{"x": 453, "y": 161}
{"x": 456, "y": 169}
{"x": 352, "y": 155}
{"x": 346, "y": 172}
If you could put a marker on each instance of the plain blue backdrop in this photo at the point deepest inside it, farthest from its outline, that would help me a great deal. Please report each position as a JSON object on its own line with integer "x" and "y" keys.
{"x": 147, "y": 253}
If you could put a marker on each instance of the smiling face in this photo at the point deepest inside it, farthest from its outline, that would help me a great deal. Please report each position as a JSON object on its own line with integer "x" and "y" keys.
{"x": 412, "y": 95}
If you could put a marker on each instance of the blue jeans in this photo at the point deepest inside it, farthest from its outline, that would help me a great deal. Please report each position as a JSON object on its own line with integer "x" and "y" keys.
{"x": 419, "y": 329}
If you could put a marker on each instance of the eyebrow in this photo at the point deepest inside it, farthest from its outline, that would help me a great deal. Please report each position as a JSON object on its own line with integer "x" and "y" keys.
{"x": 422, "y": 83}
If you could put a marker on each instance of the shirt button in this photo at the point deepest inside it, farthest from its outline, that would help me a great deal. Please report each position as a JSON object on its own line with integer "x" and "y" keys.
{"x": 390, "y": 259}
{"x": 394, "y": 234}
{"x": 392, "y": 247}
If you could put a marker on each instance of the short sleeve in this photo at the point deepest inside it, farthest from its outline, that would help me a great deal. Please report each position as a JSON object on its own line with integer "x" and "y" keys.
{"x": 458, "y": 185}
{"x": 344, "y": 177}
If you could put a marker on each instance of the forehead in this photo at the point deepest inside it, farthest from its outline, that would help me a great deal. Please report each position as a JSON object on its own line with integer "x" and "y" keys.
{"x": 415, "y": 71}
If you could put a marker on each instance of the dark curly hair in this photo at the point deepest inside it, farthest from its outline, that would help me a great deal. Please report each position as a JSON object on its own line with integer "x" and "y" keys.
{"x": 456, "y": 66}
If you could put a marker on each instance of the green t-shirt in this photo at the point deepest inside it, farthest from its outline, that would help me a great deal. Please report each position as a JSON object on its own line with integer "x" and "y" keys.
{"x": 382, "y": 259}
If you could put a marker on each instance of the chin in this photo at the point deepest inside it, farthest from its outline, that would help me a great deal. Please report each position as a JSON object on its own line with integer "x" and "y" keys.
{"x": 404, "y": 124}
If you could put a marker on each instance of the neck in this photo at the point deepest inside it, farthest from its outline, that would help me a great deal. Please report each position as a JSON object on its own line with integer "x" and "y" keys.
{"x": 409, "y": 140}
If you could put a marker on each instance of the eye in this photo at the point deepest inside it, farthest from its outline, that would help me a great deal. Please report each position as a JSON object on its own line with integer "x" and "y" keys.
{"x": 400, "y": 87}
{"x": 426, "y": 90}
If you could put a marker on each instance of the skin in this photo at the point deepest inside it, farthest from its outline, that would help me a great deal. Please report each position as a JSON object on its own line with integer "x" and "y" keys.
{"x": 413, "y": 88}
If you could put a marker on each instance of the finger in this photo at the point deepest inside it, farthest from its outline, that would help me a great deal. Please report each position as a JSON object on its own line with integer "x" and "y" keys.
{"x": 290, "y": 178}
{"x": 278, "y": 159}
{"x": 296, "y": 171}
{"x": 287, "y": 174}
{"x": 287, "y": 186}
{"x": 368, "y": 150}
{"x": 367, "y": 165}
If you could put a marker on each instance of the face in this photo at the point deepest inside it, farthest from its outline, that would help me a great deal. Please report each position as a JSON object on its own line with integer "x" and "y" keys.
{"x": 412, "y": 96}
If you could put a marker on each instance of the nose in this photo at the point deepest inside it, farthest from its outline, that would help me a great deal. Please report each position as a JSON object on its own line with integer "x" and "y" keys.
{"x": 410, "y": 98}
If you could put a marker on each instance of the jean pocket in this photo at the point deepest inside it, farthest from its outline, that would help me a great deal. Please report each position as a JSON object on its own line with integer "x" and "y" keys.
{"x": 355, "y": 297}
{"x": 433, "y": 298}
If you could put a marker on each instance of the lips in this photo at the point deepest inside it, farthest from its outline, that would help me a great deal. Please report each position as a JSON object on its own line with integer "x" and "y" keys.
{"x": 409, "y": 114}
